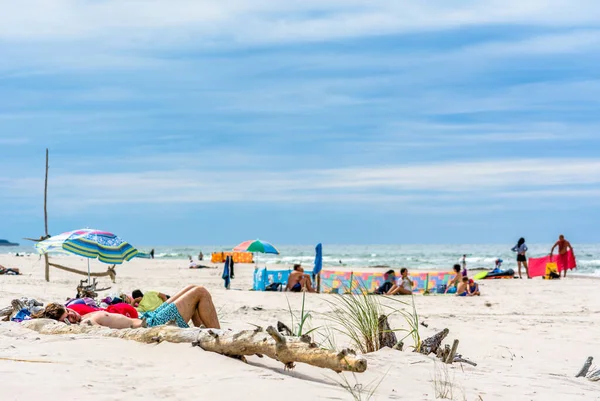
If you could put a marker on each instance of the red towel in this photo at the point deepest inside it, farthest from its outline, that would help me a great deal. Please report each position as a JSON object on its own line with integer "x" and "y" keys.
{"x": 537, "y": 266}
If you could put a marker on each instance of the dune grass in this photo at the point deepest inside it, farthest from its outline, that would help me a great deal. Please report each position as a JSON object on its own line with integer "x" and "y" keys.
{"x": 357, "y": 317}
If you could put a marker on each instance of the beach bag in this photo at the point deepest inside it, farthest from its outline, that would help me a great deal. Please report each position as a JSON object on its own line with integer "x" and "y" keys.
{"x": 441, "y": 289}
{"x": 551, "y": 271}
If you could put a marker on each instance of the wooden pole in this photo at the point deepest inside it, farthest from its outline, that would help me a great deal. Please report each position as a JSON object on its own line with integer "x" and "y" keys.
{"x": 46, "y": 217}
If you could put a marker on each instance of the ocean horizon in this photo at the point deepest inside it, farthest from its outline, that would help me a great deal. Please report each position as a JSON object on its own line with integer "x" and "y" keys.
{"x": 412, "y": 256}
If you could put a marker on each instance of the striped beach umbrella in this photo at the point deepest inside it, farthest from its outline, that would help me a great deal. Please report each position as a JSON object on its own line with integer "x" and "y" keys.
{"x": 89, "y": 243}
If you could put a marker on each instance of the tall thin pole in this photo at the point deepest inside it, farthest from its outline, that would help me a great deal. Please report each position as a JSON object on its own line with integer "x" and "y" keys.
{"x": 46, "y": 216}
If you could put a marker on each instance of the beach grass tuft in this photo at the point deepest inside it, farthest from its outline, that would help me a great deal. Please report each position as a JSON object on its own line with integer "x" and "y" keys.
{"x": 357, "y": 317}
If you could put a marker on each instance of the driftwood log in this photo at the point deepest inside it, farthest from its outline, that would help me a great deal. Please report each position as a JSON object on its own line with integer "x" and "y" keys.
{"x": 585, "y": 371}
{"x": 387, "y": 337}
{"x": 432, "y": 344}
{"x": 271, "y": 343}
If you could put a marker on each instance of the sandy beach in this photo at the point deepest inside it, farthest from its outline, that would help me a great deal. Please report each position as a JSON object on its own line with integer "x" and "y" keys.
{"x": 528, "y": 337}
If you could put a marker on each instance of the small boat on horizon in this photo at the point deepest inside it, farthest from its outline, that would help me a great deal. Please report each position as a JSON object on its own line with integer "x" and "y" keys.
{"x": 4, "y": 242}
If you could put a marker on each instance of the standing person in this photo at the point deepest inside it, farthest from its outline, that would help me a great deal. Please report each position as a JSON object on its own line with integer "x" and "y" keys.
{"x": 562, "y": 257}
{"x": 463, "y": 262}
{"x": 521, "y": 250}
{"x": 200, "y": 256}
{"x": 152, "y": 253}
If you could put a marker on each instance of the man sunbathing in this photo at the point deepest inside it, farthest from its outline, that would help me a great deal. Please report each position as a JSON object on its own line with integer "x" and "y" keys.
{"x": 192, "y": 303}
{"x": 11, "y": 271}
{"x": 299, "y": 281}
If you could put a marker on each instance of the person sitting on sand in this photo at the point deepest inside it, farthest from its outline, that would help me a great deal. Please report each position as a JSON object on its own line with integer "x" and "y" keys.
{"x": 390, "y": 280}
{"x": 191, "y": 303}
{"x": 473, "y": 288}
{"x": 147, "y": 301}
{"x": 454, "y": 281}
{"x": 299, "y": 281}
{"x": 405, "y": 286}
{"x": 10, "y": 271}
{"x": 462, "y": 290}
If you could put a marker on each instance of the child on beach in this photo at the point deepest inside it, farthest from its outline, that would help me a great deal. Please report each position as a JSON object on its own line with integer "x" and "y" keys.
{"x": 452, "y": 285}
{"x": 473, "y": 288}
{"x": 462, "y": 290}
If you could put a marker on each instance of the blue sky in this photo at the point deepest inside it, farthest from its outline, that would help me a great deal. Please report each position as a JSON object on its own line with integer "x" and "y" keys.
{"x": 192, "y": 122}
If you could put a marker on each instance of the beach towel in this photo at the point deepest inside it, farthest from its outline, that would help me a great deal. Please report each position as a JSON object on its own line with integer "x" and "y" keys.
{"x": 537, "y": 266}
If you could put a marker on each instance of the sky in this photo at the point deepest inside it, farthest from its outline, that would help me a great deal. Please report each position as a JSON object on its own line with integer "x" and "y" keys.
{"x": 346, "y": 122}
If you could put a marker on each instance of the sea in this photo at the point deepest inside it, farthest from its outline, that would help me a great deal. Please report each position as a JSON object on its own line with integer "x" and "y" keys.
{"x": 416, "y": 257}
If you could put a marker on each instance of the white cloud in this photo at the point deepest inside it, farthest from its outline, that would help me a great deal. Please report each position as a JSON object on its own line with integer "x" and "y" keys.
{"x": 270, "y": 20}
{"x": 442, "y": 182}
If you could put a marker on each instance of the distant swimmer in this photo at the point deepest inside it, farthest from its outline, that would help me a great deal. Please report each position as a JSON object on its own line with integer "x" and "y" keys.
{"x": 562, "y": 257}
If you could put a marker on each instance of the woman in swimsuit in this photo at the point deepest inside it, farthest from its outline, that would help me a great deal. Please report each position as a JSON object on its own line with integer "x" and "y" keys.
{"x": 521, "y": 250}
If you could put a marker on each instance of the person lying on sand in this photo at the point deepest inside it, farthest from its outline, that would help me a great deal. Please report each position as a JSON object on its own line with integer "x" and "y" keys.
{"x": 192, "y": 303}
{"x": 298, "y": 281}
{"x": 147, "y": 301}
{"x": 452, "y": 285}
{"x": 11, "y": 271}
{"x": 75, "y": 311}
{"x": 406, "y": 284}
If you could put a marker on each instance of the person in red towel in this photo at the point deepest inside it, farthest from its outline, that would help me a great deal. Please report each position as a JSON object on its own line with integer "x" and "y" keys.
{"x": 562, "y": 258}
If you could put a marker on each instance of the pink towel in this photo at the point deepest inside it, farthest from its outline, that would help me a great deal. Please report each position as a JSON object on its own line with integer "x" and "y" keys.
{"x": 537, "y": 266}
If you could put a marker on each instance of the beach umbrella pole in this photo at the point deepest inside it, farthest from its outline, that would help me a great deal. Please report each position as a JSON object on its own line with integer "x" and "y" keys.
{"x": 88, "y": 260}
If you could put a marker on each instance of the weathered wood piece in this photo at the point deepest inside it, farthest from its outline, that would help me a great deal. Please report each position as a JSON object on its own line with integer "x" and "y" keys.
{"x": 109, "y": 272}
{"x": 460, "y": 359}
{"x": 271, "y": 343}
{"x": 387, "y": 338}
{"x": 586, "y": 367}
{"x": 433, "y": 343}
{"x": 450, "y": 357}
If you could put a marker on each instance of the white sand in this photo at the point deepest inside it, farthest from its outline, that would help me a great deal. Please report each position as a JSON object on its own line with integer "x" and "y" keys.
{"x": 529, "y": 344}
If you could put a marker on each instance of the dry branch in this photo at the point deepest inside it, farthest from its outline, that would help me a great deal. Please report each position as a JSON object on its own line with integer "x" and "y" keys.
{"x": 271, "y": 343}
{"x": 433, "y": 343}
{"x": 586, "y": 367}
